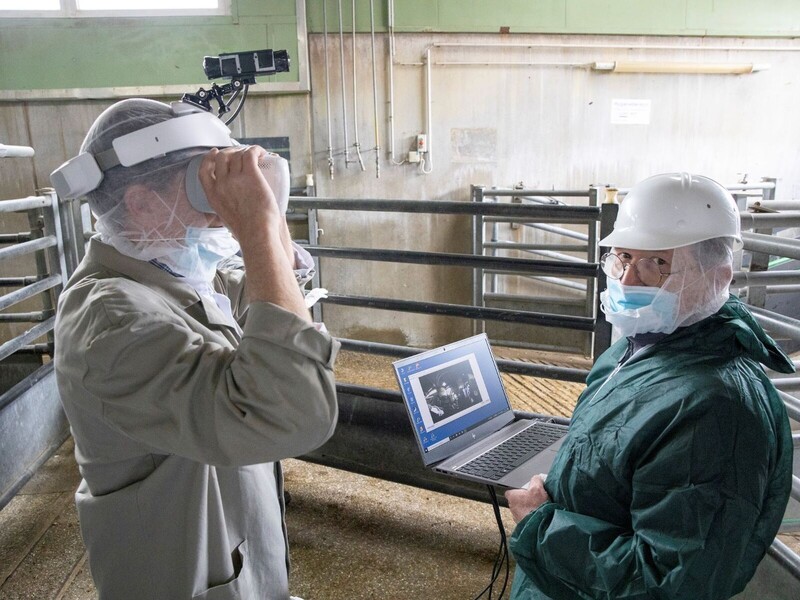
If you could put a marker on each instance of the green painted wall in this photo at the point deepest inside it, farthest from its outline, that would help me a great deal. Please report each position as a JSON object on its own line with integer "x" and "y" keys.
{"x": 119, "y": 52}
{"x": 128, "y": 52}
{"x": 642, "y": 17}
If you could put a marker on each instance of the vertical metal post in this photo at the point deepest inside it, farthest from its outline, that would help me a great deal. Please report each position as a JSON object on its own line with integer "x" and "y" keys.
{"x": 591, "y": 257}
{"x": 85, "y": 219}
{"x": 602, "y": 332}
{"x": 769, "y": 194}
{"x": 759, "y": 261}
{"x": 493, "y": 251}
{"x": 741, "y": 204}
{"x": 477, "y": 194}
{"x": 40, "y": 225}
{"x": 313, "y": 240}
{"x": 71, "y": 233}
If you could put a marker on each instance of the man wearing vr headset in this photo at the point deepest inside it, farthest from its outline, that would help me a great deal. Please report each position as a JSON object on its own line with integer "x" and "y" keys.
{"x": 185, "y": 384}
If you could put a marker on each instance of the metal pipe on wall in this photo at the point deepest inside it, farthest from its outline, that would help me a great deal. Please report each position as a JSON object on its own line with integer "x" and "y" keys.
{"x": 327, "y": 87}
{"x": 375, "y": 90}
{"x": 428, "y": 110}
{"x": 356, "y": 143}
{"x": 344, "y": 94}
{"x": 390, "y": 69}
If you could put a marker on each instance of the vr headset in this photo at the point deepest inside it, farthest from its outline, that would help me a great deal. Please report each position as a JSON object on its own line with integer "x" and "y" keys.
{"x": 191, "y": 127}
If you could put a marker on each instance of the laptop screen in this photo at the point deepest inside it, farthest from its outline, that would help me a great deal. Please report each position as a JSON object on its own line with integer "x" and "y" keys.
{"x": 451, "y": 390}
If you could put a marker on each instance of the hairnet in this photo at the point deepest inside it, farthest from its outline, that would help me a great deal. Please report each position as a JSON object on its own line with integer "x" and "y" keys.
{"x": 700, "y": 276}
{"x": 164, "y": 175}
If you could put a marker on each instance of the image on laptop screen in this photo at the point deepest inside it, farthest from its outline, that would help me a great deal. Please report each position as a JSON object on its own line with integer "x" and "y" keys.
{"x": 451, "y": 390}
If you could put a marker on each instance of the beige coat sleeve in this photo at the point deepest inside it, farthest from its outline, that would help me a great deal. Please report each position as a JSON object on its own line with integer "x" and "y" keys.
{"x": 159, "y": 378}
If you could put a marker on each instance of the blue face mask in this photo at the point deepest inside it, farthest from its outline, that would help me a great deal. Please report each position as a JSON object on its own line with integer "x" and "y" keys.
{"x": 205, "y": 248}
{"x": 638, "y": 309}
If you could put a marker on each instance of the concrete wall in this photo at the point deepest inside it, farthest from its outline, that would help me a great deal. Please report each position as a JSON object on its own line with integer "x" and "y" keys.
{"x": 534, "y": 122}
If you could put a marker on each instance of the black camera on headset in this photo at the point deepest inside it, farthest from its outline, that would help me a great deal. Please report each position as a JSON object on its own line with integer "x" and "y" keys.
{"x": 241, "y": 68}
{"x": 246, "y": 66}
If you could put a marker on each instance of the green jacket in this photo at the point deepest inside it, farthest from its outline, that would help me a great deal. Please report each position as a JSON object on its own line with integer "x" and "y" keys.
{"x": 675, "y": 473}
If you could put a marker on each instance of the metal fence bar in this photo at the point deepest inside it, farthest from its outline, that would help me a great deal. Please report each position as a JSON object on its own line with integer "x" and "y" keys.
{"x": 553, "y": 193}
{"x": 792, "y": 405}
{"x": 776, "y": 323}
{"x": 22, "y": 204}
{"x": 786, "y": 557}
{"x": 29, "y": 291}
{"x": 746, "y": 278}
{"x": 26, "y": 317}
{"x": 550, "y": 247}
{"x": 755, "y": 220}
{"x": 577, "y": 302}
{"x": 18, "y": 281}
{"x": 526, "y": 222}
{"x": 771, "y": 244}
{"x": 15, "y": 238}
{"x": 466, "y": 311}
{"x": 791, "y": 384}
{"x": 28, "y": 247}
{"x": 517, "y": 265}
{"x": 11, "y": 346}
{"x": 552, "y": 214}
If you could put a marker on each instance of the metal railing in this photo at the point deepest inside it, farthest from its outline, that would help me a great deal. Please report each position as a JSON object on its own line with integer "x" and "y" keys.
{"x": 32, "y": 424}
{"x": 580, "y": 242}
{"x": 45, "y": 241}
{"x": 479, "y": 263}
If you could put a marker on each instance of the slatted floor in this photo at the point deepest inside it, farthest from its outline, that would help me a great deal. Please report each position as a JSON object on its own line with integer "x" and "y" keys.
{"x": 532, "y": 394}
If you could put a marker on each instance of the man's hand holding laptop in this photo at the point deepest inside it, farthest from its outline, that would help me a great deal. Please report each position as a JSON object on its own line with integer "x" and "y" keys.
{"x": 521, "y": 502}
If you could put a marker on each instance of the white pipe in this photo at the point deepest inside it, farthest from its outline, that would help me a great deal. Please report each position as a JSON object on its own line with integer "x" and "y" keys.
{"x": 614, "y": 46}
{"x": 376, "y": 125}
{"x": 327, "y": 87}
{"x": 356, "y": 143}
{"x": 344, "y": 96}
{"x": 390, "y": 67}
{"x": 653, "y": 66}
{"x": 428, "y": 109}
{"x": 15, "y": 151}
{"x": 484, "y": 63}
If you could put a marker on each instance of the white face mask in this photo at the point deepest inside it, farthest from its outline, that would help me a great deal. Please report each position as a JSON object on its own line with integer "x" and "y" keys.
{"x": 639, "y": 309}
{"x": 205, "y": 248}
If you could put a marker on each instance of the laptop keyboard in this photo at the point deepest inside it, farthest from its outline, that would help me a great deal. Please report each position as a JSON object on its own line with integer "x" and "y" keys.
{"x": 507, "y": 456}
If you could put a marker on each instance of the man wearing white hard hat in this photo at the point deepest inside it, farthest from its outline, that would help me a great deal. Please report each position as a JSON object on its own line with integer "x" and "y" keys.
{"x": 677, "y": 467}
{"x": 185, "y": 384}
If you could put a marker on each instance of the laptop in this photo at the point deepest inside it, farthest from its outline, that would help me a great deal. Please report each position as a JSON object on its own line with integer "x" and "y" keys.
{"x": 463, "y": 421}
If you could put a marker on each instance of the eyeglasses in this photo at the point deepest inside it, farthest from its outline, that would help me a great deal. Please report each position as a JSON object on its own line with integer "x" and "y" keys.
{"x": 649, "y": 270}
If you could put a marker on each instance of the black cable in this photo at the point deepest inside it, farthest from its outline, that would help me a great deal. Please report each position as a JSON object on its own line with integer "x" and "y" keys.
{"x": 502, "y": 552}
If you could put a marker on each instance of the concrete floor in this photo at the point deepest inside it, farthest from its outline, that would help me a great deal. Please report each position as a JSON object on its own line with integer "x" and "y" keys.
{"x": 352, "y": 537}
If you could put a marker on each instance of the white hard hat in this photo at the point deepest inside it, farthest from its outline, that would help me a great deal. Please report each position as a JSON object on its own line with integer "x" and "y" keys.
{"x": 673, "y": 210}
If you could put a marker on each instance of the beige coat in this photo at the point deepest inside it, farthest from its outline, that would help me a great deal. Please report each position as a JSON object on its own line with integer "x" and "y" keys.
{"x": 179, "y": 421}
